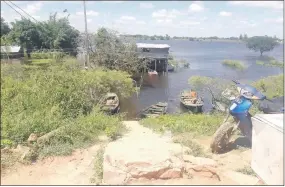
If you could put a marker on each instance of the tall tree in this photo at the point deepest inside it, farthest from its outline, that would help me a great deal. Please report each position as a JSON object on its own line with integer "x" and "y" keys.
{"x": 5, "y": 29}
{"x": 240, "y": 37}
{"x": 114, "y": 53}
{"x": 261, "y": 43}
{"x": 245, "y": 37}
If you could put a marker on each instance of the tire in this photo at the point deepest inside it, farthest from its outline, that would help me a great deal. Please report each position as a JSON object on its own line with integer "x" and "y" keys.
{"x": 222, "y": 137}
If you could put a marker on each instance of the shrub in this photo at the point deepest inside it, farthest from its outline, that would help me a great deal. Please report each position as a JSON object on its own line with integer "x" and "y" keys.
{"x": 40, "y": 100}
{"x": 198, "y": 124}
{"x": 235, "y": 64}
{"x": 271, "y": 86}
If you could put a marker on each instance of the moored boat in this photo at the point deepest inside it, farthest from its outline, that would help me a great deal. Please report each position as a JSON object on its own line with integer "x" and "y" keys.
{"x": 155, "y": 110}
{"x": 190, "y": 100}
{"x": 110, "y": 103}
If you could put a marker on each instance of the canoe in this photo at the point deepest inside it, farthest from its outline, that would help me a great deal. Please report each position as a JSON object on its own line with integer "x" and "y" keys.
{"x": 110, "y": 103}
{"x": 190, "y": 100}
{"x": 155, "y": 110}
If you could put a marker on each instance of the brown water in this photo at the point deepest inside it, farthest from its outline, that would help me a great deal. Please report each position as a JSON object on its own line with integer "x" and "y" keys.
{"x": 205, "y": 60}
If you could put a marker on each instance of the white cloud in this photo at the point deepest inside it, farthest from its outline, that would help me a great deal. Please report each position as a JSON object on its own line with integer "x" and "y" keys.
{"x": 196, "y": 7}
{"x": 225, "y": 14}
{"x": 263, "y": 4}
{"x": 245, "y": 23}
{"x": 34, "y": 7}
{"x": 278, "y": 20}
{"x": 89, "y": 20}
{"x": 88, "y": 13}
{"x": 128, "y": 18}
{"x": 146, "y": 5}
{"x": 164, "y": 21}
{"x": 141, "y": 22}
{"x": 163, "y": 13}
{"x": 189, "y": 22}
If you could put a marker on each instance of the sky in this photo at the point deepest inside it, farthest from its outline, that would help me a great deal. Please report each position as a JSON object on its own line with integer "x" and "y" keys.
{"x": 175, "y": 18}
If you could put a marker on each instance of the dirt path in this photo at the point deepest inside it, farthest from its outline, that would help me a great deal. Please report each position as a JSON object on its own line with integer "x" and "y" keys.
{"x": 76, "y": 169}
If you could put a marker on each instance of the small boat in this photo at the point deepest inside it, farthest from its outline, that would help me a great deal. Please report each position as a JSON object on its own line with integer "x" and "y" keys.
{"x": 170, "y": 67}
{"x": 155, "y": 110}
{"x": 110, "y": 103}
{"x": 152, "y": 72}
{"x": 190, "y": 100}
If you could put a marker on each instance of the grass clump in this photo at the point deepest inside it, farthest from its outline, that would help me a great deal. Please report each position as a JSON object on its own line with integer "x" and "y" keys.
{"x": 247, "y": 170}
{"x": 59, "y": 97}
{"x": 98, "y": 167}
{"x": 196, "y": 124}
{"x": 258, "y": 62}
{"x": 195, "y": 149}
{"x": 235, "y": 64}
{"x": 271, "y": 86}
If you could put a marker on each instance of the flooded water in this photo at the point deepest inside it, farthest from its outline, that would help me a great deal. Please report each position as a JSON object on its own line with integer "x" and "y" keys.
{"x": 205, "y": 60}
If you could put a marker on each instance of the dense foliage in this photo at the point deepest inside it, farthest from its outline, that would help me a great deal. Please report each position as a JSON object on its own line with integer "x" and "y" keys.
{"x": 36, "y": 99}
{"x": 261, "y": 43}
{"x": 114, "y": 53}
{"x": 55, "y": 33}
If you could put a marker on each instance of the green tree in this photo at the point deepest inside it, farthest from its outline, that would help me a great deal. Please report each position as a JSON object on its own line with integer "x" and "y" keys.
{"x": 261, "y": 43}
{"x": 5, "y": 29}
{"x": 114, "y": 53}
{"x": 240, "y": 37}
{"x": 245, "y": 37}
{"x": 26, "y": 34}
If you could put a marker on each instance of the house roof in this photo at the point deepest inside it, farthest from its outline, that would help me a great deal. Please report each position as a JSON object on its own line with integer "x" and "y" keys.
{"x": 145, "y": 45}
{"x": 10, "y": 49}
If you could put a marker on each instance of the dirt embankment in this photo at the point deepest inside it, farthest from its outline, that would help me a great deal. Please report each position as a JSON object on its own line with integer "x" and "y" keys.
{"x": 140, "y": 157}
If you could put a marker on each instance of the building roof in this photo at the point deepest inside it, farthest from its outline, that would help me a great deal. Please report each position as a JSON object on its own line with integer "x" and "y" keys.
{"x": 145, "y": 45}
{"x": 10, "y": 49}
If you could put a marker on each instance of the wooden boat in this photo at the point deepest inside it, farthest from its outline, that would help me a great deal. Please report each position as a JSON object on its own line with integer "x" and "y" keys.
{"x": 190, "y": 100}
{"x": 170, "y": 68}
{"x": 110, "y": 103}
{"x": 152, "y": 72}
{"x": 155, "y": 110}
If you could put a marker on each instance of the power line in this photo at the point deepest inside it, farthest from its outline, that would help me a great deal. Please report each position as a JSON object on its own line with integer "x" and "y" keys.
{"x": 14, "y": 9}
{"x": 23, "y": 11}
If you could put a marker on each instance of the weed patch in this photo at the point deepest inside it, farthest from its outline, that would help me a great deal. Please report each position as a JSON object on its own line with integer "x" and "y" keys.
{"x": 247, "y": 170}
{"x": 98, "y": 167}
{"x": 235, "y": 64}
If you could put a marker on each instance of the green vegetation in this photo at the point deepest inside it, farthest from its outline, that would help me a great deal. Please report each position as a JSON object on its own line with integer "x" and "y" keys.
{"x": 258, "y": 62}
{"x": 55, "y": 33}
{"x": 59, "y": 98}
{"x": 195, "y": 149}
{"x": 247, "y": 170}
{"x": 98, "y": 167}
{"x": 114, "y": 53}
{"x": 235, "y": 64}
{"x": 198, "y": 124}
{"x": 261, "y": 43}
{"x": 271, "y": 86}
{"x": 272, "y": 63}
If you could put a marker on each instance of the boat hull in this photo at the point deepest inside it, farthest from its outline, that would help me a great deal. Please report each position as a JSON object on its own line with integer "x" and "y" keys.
{"x": 194, "y": 109}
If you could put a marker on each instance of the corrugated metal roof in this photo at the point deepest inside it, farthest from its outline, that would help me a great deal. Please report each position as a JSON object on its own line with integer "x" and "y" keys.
{"x": 11, "y": 49}
{"x": 145, "y": 45}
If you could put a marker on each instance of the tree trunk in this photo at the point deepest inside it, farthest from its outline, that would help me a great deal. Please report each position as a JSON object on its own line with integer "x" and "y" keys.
{"x": 261, "y": 52}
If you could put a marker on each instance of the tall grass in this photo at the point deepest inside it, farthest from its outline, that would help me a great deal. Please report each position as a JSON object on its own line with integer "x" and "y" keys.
{"x": 235, "y": 64}
{"x": 196, "y": 124}
{"x": 40, "y": 100}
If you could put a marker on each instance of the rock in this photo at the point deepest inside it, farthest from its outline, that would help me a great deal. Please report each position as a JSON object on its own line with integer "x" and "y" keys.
{"x": 202, "y": 171}
{"x": 23, "y": 150}
{"x": 141, "y": 154}
{"x": 32, "y": 138}
{"x": 200, "y": 161}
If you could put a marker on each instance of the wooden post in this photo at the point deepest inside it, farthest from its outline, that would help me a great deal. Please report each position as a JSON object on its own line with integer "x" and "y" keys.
{"x": 155, "y": 65}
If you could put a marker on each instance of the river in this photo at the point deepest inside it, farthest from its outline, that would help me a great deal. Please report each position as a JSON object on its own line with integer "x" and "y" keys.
{"x": 205, "y": 60}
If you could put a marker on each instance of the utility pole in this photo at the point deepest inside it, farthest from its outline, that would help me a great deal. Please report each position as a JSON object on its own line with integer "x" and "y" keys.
{"x": 86, "y": 38}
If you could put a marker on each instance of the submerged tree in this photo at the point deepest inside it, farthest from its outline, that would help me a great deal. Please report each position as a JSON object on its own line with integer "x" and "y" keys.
{"x": 261, "y": 43}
